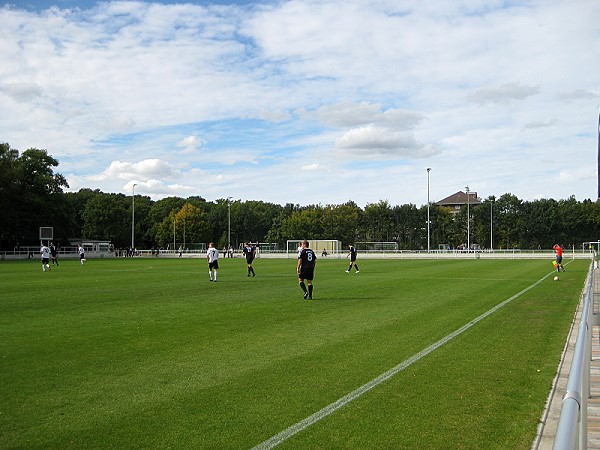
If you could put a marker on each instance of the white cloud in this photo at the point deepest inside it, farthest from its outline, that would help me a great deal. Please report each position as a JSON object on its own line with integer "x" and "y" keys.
{"x": 212, "y": 100}
{"x": 22, "y": 91}
{"x": 373, "y": 142}
{"x": 350, "y": 114}
{"x": 159, "y": 189}
{"x": 502, "y": 94}
{"x": 142, "y": 170}
{"x": 274, "y": 115}
{"x": 314, "y": 166}
{"x": 578, "y": 94}
{"x": 540, "y": 124}
{"x": 190, "y": 144}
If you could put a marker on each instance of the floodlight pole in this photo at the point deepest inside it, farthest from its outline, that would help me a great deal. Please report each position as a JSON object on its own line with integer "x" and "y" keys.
{"x": 133, "y": 217}
{"x": 428, "y": 221}
{"x": 228, "y": 222}
{"x": 492, "y": 224}
{"x": 468, "y": 221}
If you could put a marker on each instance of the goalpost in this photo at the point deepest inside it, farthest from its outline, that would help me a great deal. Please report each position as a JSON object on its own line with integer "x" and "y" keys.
{"x": 321, "y": 247}
{"x": 376, "y": 246}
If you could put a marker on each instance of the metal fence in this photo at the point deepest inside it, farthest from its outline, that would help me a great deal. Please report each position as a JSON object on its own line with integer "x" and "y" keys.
{"x": 571, "y": 432}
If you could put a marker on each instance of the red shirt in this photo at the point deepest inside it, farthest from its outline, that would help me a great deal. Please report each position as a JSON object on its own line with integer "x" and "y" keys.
{"x": 558, "y": 249}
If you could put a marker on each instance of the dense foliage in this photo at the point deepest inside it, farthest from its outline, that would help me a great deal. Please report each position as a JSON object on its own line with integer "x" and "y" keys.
{"x": 31, "y": 195}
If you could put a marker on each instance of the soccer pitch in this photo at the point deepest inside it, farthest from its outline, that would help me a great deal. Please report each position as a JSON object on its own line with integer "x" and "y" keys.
{"x": 148, "y": 353}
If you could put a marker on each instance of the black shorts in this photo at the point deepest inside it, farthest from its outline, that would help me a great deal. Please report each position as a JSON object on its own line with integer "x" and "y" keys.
{"x": 45, "y": 261}
{"x": 559, "y": 259}
{"x": 249, "y": 259}
{"x": 213, "y": 265}
{"x": 307, "y": 274}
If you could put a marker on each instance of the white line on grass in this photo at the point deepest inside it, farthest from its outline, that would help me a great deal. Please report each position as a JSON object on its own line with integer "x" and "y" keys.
{"x": 305, "y": 423}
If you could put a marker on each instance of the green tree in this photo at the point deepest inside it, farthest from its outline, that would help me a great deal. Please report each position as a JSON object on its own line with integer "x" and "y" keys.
{"x": 108, "y": 217}
{"x": 31, "y": 195}
{"x": 76, "y": 202}
{"x": 159, "y": 211}
{"x": 378, "y": 222}
{"x": 408, "y": 226}
{"x": 509, "y": 220}
{"x": 303, "y": 224}
{"x": 144, "y": 230}
{"x": 255, "y": 219}
{"x": 346, "y": 223}
{"x": 187, "y": 225}
{"x": 11, "y": 211}
{"x": 192, "y": 223}
{"x": 442, "y": 226}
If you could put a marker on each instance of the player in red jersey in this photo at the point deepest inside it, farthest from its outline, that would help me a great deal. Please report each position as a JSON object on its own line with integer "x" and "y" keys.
{"x": 558, "y": 257}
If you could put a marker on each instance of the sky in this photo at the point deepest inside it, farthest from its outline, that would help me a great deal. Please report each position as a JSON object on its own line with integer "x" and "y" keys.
{"x": 307, "y": 102}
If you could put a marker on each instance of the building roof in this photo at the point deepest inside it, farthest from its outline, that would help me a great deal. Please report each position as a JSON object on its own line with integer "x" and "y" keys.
{"x": 459, "y": 198}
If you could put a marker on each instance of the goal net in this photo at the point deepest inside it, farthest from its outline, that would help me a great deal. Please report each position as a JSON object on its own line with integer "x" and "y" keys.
{"x": 322, "y": 247}
{"x": 376, "y": 246}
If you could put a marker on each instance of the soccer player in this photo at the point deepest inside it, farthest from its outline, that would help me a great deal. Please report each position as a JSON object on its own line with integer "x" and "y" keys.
{"x": 81, "y": 254}
{"x": 45, "y": 252}
{"x": 558, "y": 257}
{"x": 249, "y": 252}
{"x": 305, "y": 269}
{"x": 212, "y": 255}
{"x": 352, "y": 256}
{"x": 54, "y": 254}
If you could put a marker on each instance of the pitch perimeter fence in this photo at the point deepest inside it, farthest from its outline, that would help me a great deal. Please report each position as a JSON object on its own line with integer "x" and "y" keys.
{"x": 339, "y": 253}
{"x": 572, "y": 426}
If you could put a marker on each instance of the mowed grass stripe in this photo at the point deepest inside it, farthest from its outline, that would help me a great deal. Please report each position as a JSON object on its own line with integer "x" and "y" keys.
{"x": 333, "y": 407}
{"x": 149, "y": 353}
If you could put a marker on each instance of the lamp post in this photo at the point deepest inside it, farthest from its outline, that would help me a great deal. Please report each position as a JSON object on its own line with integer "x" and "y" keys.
{"x": 428, "y": 222}
{"x": 133, "y": 217}
{"x": 468, "y": 221}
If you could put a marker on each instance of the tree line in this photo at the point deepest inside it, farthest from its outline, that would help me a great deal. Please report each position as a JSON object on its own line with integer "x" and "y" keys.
{"x": 32, "y": 195}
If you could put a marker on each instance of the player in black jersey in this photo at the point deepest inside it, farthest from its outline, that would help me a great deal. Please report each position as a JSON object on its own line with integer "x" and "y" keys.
{"x": 352, "y": 256}
{"x": 306, "y": 269}
{"x": 249, "y": 252}
{"x": 54, "y": 254}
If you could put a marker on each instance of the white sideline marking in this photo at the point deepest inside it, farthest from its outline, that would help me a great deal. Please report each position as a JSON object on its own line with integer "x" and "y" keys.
{"x": 305, "y": 423}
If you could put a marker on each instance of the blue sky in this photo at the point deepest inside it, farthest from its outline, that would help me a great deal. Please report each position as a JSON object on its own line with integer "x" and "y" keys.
{"x": 307, "y": 101}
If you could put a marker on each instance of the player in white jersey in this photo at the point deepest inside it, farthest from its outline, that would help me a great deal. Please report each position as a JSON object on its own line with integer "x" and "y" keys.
{"x": 45, "y": 252}
{"x": 81, "y": 254}
{"x": 212, "y": 255}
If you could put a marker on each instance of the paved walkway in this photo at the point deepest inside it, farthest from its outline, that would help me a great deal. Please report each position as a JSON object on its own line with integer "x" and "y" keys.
{"x": 550, "y": 423}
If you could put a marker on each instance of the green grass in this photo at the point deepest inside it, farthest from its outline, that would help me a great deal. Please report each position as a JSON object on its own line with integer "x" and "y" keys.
{"x": 147, "y": 353}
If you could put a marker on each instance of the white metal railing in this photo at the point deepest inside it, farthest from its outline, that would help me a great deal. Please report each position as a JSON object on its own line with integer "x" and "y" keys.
{"x": 571, "y": 432}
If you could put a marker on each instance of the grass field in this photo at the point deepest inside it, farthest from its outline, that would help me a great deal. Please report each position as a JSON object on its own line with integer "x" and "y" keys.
{"x": 147, "y": 353}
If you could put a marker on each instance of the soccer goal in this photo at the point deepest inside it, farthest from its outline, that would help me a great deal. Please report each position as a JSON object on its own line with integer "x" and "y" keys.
{"x": 376, "y": 246}
{"x": 322, "y": 247}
